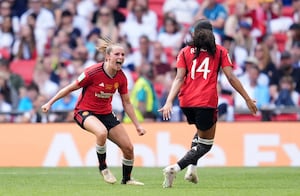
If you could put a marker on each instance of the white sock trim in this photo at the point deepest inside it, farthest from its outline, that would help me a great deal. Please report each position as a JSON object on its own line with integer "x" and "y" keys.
{"x": 206, "y": 141}
{"x": 176, "y": 167}
{"x": 192, "y": 168}
{"x": 127, "y": 162}
{"x": 101, "y": 149}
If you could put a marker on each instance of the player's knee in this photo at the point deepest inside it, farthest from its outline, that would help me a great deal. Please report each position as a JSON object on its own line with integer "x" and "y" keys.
{"x": 101, "y": 135}
{"x": 128, "y": 151}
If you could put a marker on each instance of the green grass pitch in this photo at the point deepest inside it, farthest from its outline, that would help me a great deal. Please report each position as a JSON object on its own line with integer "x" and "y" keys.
{"x": 219, "y": 181}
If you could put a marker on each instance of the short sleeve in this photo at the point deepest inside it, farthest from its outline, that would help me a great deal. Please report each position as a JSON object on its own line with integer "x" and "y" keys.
{"x": 181, "y": 62}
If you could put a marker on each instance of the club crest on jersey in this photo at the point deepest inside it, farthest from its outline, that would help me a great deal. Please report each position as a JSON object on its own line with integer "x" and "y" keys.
{"x": 116, "y": 85}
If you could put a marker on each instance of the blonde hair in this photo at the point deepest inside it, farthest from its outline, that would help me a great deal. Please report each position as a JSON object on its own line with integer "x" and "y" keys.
{"x": 104, "y": 45}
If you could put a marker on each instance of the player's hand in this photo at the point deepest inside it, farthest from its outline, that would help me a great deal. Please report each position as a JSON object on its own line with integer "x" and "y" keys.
{"x": 45, "y": 108}
{"x": 252, "y": 106}
{"x": 166, "y": 111}
{"x": 141, "y": 131}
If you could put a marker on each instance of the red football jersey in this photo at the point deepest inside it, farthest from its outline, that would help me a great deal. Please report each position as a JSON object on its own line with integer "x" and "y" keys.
{"x": 200, "y": 85}
{"x": 98, "y": 89}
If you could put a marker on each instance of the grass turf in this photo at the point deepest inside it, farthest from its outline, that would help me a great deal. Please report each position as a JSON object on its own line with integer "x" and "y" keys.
{"x": 87, "y": 181}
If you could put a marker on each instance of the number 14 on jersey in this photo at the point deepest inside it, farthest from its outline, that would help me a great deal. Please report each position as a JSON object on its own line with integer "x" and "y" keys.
{"x": 203, "y": 67}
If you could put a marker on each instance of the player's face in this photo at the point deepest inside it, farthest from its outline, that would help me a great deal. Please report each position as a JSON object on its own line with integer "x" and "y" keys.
{"x": 117, "y": 57}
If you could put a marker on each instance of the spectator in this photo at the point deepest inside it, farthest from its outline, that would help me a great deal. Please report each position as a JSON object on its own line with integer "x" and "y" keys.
{"x": 229, "y": 43}
{"x": 265, "y": 63}
{"x": 27, "y": 96}
{"x": 184, "y": 11}
{"x": 66, "y": 25}
{"x": 51, "y": 66}
{"x": 5, "y": 108}
{"x": 225, "y": 108}
{"x": 129, "y": 63}
{"x": 79, "y": 21}
{"x": 231, "y": 24}
{"x": 295, "y": 53}
{"x": 161, "y": 70}
{"x": 41, "y": 27}
{"x": 91, "y": 42}
{"x": 6, "y": 11}
{"x": 132, "y": 30}
{"x": 143, "y": 96}
{"x": 274, "y": 53}
{"x": 216, "y": 13}
{"x": 35, "y": 115}
{"x": 177, "y": 115}
{"x": 287, "y": 96}
{"x": 144, "y": 53}
{"x": 86, "y": 8}
{"x": 250, "y": 80}
{"x": 118, "y": 16}
{"x": 15, "y": 80}
{"x": 81, "y": 53}
{"x": 149, "y": 16}
{"x": 173, "y": 35}
{"x": 10, "y": 94}
{"x": 293, "y": 36}
{"x": 285, "y": 69}
{"x": 25, "y": 47}
{"x": 279, "y": 23}
{"x": 18, "y": 7}
{"x": 245, "y": 78}
{"x": 264, "y": 14}
{"x": 61, "y": 46}
{"x": 243, "y": 37}
{"x": 46, "y": 86}
{"x": 105, "y": 22}
{"x": 64, "y": 107}
{"x": 7, "y": 37}
{"x": 296, "y": 11}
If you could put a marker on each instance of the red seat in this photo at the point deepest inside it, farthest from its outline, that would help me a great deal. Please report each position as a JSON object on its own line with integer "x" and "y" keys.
{"x": 24, "y": 68}
{"x": 123, "y": 11}
{"x": 229, "y": 98}
{"x": 285, "y": 117}
{"x": 280, "y": 39}
{"x": 247, "y": 117}
{"x": 157, "y": 8}
{"x": 159, "y": 89}
{"x": 287, "y": 11}
{"x": 169, "y": 54}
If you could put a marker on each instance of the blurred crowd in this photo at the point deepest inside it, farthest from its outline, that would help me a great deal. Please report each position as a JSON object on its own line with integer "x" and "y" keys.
{"x": 46, "y": 44}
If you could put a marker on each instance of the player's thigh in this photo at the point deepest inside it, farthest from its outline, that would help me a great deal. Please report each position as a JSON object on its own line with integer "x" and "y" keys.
{"x": 95, "y": 126}
{"x": 119, "y": 136}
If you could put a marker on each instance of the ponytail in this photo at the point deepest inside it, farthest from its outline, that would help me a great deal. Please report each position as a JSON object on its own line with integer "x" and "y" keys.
{"x": 104, "y": 45}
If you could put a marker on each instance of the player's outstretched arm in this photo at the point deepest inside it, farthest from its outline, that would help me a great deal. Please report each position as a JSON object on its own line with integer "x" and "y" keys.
{"x": 60, "y": 94}
{"x": 178, "y": 81}
{"x": 236, "y": 84}
{"x": 128, "y": 108}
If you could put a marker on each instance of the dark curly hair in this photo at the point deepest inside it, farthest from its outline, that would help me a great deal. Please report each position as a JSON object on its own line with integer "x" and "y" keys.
{"x": 203, "y": 38}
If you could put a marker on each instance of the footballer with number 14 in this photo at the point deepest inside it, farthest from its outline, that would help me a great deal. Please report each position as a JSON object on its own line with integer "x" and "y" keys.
{"x": 195, "y": 83}
{"x": 93, "y": 111}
